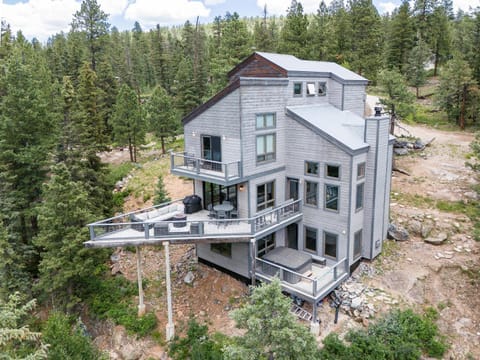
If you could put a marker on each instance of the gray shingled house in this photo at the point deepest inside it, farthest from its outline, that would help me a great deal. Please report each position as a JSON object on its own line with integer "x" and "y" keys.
{"x": 289, "y": 178}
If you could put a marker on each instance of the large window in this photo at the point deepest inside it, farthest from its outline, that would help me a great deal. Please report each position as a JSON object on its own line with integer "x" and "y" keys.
{"x": 359, "y": 197}
{"x": 297, "y": 89}
{"x": 331, "y": 197}
{"x": 312, "y": 168}
{"x": 224, "y": 249}
{"x": 265, "y": 147}
{"x": 310, "y": 239}
{"x": 357, "y": 244}
{"x": 265, "y": 244}
{"x": 332, "y": 171}
{"x": 265, "y": 196}
{"x": 330, "y": 248}
{"x": 311, "y": 193}
{"x": 265, "y": 121}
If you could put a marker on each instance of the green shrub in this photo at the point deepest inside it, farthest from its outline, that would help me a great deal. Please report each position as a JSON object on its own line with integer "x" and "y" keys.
{"x": 197, "y": 345}
{"x": 67, "y": 341}
{"x": 118, "y": 172}
{"x": 400, "y": 335}
{"x": 112, "y": 298}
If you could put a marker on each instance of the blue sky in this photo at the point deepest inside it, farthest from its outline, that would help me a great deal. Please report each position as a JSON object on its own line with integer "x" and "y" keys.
{"x": 43, "y": 18}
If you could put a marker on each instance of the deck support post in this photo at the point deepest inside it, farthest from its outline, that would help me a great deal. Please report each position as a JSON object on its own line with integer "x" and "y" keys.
{"x": 170, "y": 328}
{"x": 315, "y": 324}
{"x": 141, "y": 305}
{"x": 253, "y": 255}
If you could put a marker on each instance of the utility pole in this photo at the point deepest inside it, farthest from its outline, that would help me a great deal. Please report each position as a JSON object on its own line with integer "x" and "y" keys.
{"x": 170, "y": 329}
{"x": 141, "y": 305}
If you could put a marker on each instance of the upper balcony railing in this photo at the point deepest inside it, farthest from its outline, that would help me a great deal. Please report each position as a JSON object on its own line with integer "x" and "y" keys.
{"x": 187, "y": 164}
{"x": 168, "y": 222}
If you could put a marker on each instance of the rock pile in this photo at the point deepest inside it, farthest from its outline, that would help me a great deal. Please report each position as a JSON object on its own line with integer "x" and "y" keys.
{"x": 397, "y": 233}
{"x": 403, "y": 146}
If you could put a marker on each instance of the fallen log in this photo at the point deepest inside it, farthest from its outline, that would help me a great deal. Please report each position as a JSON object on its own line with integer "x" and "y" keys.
{"x": 401, "y": 171}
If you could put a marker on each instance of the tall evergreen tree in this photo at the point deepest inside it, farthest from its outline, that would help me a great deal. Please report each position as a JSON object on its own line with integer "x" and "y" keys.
{"x": 65, "y": 262}
{"x": 415, "y": 70}
{"x": 458, "y": 92}
{"x": 162, "y": 117}
{"x": 400, "y": 37}
{"x": 127, "y": 121}
{"x": 28, "y": 124}
{"x": 92, "y": 21}
{"x": 294, "y": 34}
{"x": 320, "y": 35}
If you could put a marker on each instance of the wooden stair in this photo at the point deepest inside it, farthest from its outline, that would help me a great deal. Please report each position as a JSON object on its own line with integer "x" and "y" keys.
{"x": 301, "y": 313}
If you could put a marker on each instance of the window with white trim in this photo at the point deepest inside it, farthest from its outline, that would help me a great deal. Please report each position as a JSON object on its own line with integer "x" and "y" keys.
{"x": 310, "y": 235}
{"x": 265, "y": 195}
{"x": 331, "y": 197}
{"x": 310, "y": 89}
{"x": 312, "y": 168}
{"x": 361, "y": 170}
{"x": 297, "y": 89}
{"x": 322, "y": 88}
{"x": 359, "y": 196}
{"x": 311, "y": 193}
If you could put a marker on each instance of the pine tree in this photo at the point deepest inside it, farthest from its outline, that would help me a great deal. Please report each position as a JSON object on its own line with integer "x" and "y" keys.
{"x": 262, "y": 37}
{"x": 162, "y": 117}
{"x": 63, "y": 215}
{"x": 187, "y": 97}
{"x": 319, "y": 33}
{"x": 16, "y": 339}
{"x": 366, "y": 44}
{"x": 28, "y": 131}
{"x": 400, "y": 37}
{"x": 127, "y": 121}
{"x": 92, "y": 21}
{"x": 161, "y": 195}
{"x": 272, "y": 332}
{"x": 294, "y": 34}
{"x": 458, "y": 92}
{"x": 415, "y": 70}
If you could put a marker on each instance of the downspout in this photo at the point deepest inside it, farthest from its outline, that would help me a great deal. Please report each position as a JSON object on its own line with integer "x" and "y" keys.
{"x": 374, "y": 193}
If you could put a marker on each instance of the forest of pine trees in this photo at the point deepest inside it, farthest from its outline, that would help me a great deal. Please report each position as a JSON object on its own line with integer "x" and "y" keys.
{"x": 81, "y": 92}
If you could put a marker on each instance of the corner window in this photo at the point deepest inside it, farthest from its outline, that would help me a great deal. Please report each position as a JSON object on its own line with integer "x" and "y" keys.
{"x": 265, "y": 244}
{"x": 265, "y": 121}
{"x": 312, "y": 168}
{"x": 332, "y": 171}
{"x": 331, "y": 197}
{"x": 322, "y": 88}
{"x": 357, "y": 244}
{"x": 311, "y": 193}
{"x": 224, "y": 249}
{"x": 310, "y": 239}
{"x": 359, "y": 196}
{"x": 361, "y": 170}
{"x": 265, "y": 147}
{"x": 310, "y": 89}
{"x": 297, "y": 89}
{"x": 265, "y": 196}
{"x": 330, "y": 247}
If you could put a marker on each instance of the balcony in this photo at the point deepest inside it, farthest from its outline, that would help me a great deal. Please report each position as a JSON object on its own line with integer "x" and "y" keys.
{"x": 188, "y": 165}
{"x": 167, "y": 222}
{"x": 311, "y": 285}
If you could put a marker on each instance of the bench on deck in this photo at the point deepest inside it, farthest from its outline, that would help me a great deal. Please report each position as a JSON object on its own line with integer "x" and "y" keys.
{"x": 155, "y": 215}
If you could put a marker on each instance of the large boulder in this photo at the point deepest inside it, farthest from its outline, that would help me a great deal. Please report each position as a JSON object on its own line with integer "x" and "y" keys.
{"x": 437, "y": 240}
{"x": 397, "y": 233}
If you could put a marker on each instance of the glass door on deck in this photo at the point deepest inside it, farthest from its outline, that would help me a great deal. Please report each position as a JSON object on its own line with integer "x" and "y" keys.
{"x": 292, "y": 189}
{"x": 212, "y": 150}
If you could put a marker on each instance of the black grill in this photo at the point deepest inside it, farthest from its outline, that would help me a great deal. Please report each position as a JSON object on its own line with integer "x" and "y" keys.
{"x": 192, "y": 203}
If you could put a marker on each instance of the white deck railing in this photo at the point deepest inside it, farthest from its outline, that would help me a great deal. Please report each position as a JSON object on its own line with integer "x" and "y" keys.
{"x": 315, "y": 285}
{"x": 187, "y": 164}
{"x": 197, "y": 225}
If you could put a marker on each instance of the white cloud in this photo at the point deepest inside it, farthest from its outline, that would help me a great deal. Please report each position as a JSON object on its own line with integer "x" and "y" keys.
{"x": 214, "y": 2}
{"x": 280, "y": 7}
{"x": 465, "y": 5}
{"x": 386, "y": 7}
{"x": 39, "y": 18}
{"x": 113, "y": 7}
{"x": 151, "y": 12}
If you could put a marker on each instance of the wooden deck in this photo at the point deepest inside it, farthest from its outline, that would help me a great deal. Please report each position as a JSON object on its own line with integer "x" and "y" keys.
{"x": 197, "y": 228}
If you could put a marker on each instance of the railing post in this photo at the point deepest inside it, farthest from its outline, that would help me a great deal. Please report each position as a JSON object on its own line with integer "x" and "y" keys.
{"x": 280, "y": 274}
{"x": 253, "y": 254}
{"x": 147, "y": 230}
{"x": 92, "y": 232}
{"x": 314, "y": 287}
{"x": 226, "y": 172}
{"x": 197, "y": 166}
{"x": 335, "y": 275}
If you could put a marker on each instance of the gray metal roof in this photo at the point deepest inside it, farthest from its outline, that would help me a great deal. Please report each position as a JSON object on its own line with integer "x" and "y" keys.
{"x": 343, "y": 128}
{"x": 294, "y": 65}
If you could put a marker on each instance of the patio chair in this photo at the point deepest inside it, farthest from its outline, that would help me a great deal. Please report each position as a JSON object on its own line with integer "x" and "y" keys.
{"x": 211, "y": 213}
{"x": 221, "y": 215}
